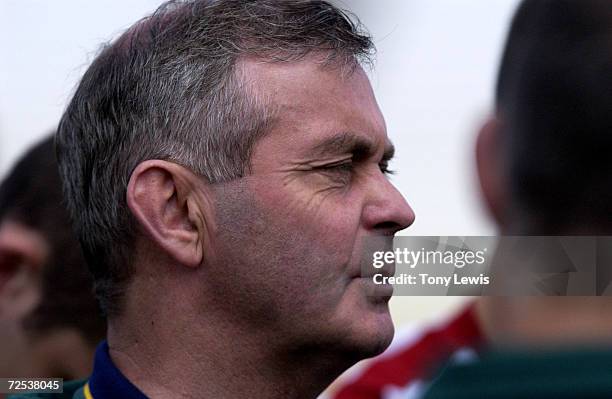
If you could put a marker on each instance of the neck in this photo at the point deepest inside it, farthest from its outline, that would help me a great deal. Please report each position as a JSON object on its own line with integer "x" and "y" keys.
{"x": 213, "y": 358}
{"x": 546, "y": 322}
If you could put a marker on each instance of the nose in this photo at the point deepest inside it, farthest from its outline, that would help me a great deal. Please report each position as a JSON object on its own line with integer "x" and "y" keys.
{"x": 386, "y": 211}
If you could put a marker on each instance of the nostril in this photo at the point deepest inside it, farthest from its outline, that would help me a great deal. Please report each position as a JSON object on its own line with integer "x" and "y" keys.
{"x": 387, "y": 228}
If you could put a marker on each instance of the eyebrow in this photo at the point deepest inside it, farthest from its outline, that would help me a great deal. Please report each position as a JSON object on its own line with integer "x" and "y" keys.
{"x": 351, "y": 143}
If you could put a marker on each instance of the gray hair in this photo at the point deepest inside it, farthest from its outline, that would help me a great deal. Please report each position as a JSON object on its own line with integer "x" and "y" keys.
{"x": 168, "y": 88}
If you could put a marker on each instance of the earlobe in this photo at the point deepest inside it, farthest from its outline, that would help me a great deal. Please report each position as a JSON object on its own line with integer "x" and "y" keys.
{"x": 489, "y": 164}
{"x": 161, "y": 196}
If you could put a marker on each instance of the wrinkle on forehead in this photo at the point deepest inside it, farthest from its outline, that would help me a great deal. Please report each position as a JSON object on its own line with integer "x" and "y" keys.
{"x": 277, "y": 79}
{"x": 314, "y": 103}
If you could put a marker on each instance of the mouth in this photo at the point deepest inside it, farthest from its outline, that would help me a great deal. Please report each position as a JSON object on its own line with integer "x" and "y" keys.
{"x": 374, "y": 280}
{"x": 370, "y": 246}
{"x": 369, "y": 271}
{"x": 376, "y": 293}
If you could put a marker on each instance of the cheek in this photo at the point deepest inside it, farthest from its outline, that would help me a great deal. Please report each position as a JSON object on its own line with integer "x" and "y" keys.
{"x": 326, "y": 216}
{"x": 286, "y": 247}
{"x": 324, "y": 224}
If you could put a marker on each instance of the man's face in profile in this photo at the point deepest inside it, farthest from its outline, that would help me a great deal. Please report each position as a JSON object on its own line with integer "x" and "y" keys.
{"x": 286, "y": 256}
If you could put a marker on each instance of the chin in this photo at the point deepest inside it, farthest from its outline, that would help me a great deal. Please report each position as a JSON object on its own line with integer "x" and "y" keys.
{"x": 369, "y": 332}
{"x": 378, "y": 332}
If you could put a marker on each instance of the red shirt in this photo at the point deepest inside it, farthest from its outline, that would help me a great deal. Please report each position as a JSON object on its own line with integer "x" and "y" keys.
{"x": 417, "y": 361}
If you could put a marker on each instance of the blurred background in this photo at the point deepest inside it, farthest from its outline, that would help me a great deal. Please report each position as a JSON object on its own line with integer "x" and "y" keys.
{"x": 433, "y": 77}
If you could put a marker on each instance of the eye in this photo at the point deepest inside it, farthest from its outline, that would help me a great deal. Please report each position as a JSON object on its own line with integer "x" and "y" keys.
{"x": 338, "y": 172}
{"x": 341, "y": 167}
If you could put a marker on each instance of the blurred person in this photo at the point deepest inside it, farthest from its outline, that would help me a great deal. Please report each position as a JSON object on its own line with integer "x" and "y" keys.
{"x": 544, "y": 167}
{"x": 49, "y": 319}
{"x": 223, "y": 161}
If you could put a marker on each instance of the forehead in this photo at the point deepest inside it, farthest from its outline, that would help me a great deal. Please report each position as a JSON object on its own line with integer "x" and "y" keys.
{"x": 313, "y": 103}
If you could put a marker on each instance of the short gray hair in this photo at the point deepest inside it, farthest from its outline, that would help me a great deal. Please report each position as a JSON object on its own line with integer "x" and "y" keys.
{"x": 168, "y": 89}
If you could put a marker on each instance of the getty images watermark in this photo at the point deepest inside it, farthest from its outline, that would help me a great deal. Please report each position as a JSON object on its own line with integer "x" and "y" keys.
{"x": 507, "y": 265}
{"x": 411, "y": 259}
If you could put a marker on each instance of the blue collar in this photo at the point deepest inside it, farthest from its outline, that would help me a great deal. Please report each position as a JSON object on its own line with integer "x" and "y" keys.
{"x": 107, "y": 382}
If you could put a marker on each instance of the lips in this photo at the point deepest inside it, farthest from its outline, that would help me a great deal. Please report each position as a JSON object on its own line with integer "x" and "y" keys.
{"x": 376, "y": 292}
{"x": 364, "y": 275}
{"x": 368, "y": 271}
{"x": 371, "y": 245}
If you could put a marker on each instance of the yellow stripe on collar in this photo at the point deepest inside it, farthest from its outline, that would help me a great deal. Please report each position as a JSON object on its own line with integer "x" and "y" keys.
{"x": 87, "y": 392}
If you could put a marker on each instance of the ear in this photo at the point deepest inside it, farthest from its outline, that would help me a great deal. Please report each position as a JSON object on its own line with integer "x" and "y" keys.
{"x": 168, "y": 202}
{"x": 23, "y": 252}
{"x": 491, "y": 172}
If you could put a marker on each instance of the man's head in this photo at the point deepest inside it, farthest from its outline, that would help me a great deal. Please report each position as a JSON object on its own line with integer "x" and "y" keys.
{"x": 544, "y": 161}
{"x": 45, "y": 288}
{"x": 232, "y": 153}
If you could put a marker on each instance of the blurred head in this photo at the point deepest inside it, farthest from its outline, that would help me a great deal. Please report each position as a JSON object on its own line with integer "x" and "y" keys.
{"x": 544, "y": 159}
{"x": 46, "y": 294}
{"x": 234, "y": 152}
